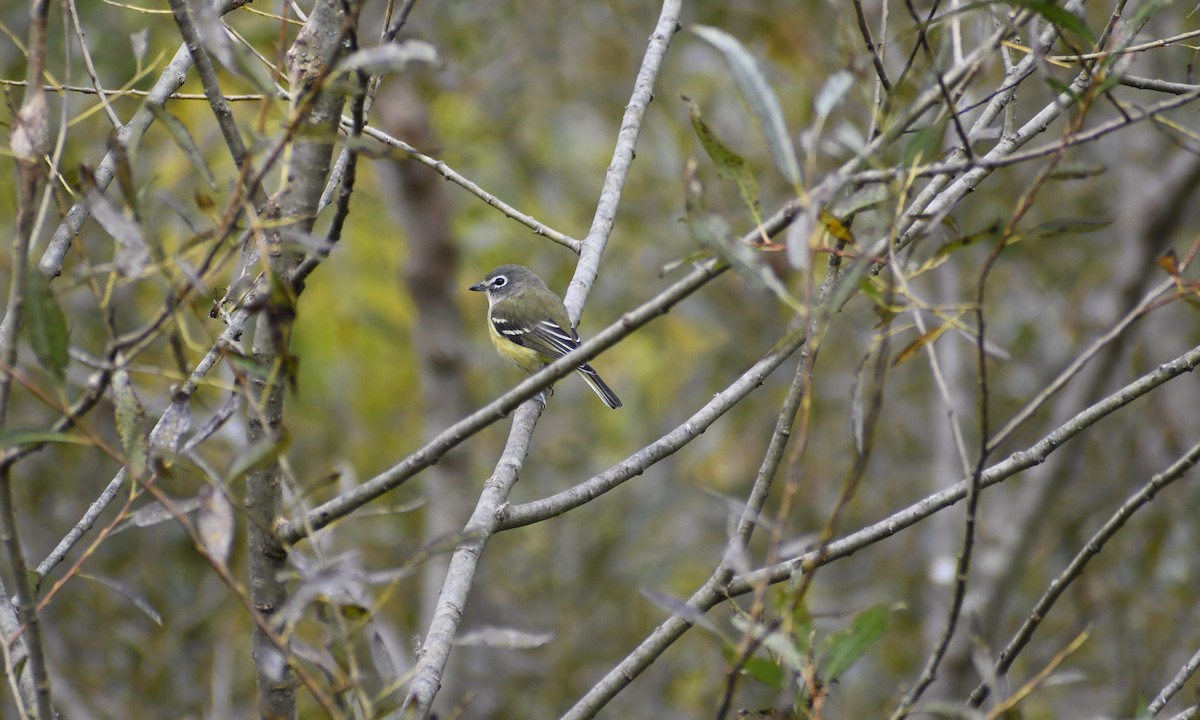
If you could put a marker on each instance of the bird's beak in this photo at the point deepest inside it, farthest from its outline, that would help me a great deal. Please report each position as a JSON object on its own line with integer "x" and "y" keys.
{"x": 478, "y": 287}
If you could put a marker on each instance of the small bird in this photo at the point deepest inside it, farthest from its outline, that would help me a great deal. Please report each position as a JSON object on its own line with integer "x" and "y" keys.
{"x": 529, "y": 327}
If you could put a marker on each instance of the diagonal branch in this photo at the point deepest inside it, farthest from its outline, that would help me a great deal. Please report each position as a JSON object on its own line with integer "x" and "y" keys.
{"x": 1075, "y": 568}
{"x": 713, "y": 592}
{"x": 618, "y": 168}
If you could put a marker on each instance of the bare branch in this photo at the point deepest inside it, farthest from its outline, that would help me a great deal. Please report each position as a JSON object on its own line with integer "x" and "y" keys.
{"x": 1074, "y": 570}
{"x": 618, "y": 168}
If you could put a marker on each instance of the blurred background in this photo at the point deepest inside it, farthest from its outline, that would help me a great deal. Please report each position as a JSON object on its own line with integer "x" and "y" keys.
{"x": 527, "y": 102}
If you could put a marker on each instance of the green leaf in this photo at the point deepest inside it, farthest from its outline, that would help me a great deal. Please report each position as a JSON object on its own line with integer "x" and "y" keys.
{"x": 11, "y": 438}
{"x": 1066, "y": 226}
{"x": 760, "y": 98}
{"x": 845, "y": 648}
{"x": 692, "y": 258}
{"x": 1059, "y": 16}
{"x": 47, "y": 326}
{"x": 766, "y": 671}
{"x": 784, "y": 647}
{"x": 929, "y": 336}
{"x": 925, "y": 144}
{"x": 712, "y": 232}
{"x": 1061, "y": 87}
{"x": 730, "y": 166}
{"x": 965, "y": 241}
{"x": 130, "y": 419}
{"x": 247, "y": 367}
{"x": 183, "y": 138}
{"x": 259, "y": 456}
{"x": 1077, "y": 171}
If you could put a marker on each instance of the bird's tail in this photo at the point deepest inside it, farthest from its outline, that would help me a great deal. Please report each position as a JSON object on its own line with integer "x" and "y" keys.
{"x": 598, "y": 386}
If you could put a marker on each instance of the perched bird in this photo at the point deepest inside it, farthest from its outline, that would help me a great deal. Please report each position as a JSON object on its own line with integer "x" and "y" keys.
{"x": 529, "y": 326}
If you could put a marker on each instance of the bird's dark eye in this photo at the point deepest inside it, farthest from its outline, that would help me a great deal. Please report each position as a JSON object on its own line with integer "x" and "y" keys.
{"x": 500, "y": 282}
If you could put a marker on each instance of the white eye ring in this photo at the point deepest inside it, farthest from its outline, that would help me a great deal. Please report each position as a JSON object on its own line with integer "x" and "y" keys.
{"x": 500, "y": 282}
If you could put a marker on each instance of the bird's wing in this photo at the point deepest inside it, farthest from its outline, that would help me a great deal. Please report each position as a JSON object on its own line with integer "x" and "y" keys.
{"x": 545, "y": 336}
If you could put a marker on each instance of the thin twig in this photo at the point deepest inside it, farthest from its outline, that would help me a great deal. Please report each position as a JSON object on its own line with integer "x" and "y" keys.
{"x": 1078, "y": 363}
{"x": 1075, "y": 568}
{"x": 1172, "y": 688}
{"x": 73, "y": 11}
{"x": 84, "y": 90}
{"x": 1013, "y": 700}
{"x": 864, "y": 29}
{"x": 440, "y": 167}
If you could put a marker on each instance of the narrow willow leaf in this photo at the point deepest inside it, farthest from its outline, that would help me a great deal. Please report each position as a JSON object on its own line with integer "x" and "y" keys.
{"x": 766, "y": 671}
{"x": 760, "y": 98}
{"x": 216, "y": 524}
{"x": 1058, "y": 15}
{"x": 176, "y": 421}
{"x": 730, "y": 166}
{"x": 1066, "y": 226}
{"x": 155, "y": 513}
{"x": 388, "y": 59}
{"x": 258, "y": 456}
{"x": 386, "y": 661}
{"x": 247, "y": 367}
{"x": 988, "y": 233}
{"x": 712, "y": 232}
{"x": 140, "y": 42}
{"x": 183, "y": 138}
{"x": 858, "y": 405}
{"x": 785, "y": 648}
{"x": 130, "y": 419}
{"x": 677, "y": 606}
{"x": 140, "y": 602}
{"x": 799, "y": 240}
{"x": 832, "y": 93}
{"x": 132, "y": 255}
{"x": 1077, "y": 171}
{"x": 915, "y": 346}
{"x": 47, "y": 326}
{"x": 1169, "y": 262}
{"x": 925, "y": 144}
{"x": 691, "y": 258}
{"x": 236, "y": 58}
{"x": 847, "y": 647}
{"x": 12, "y": 438}
{"x": 505, "y": 638}
{"x": 857, "y": 201}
